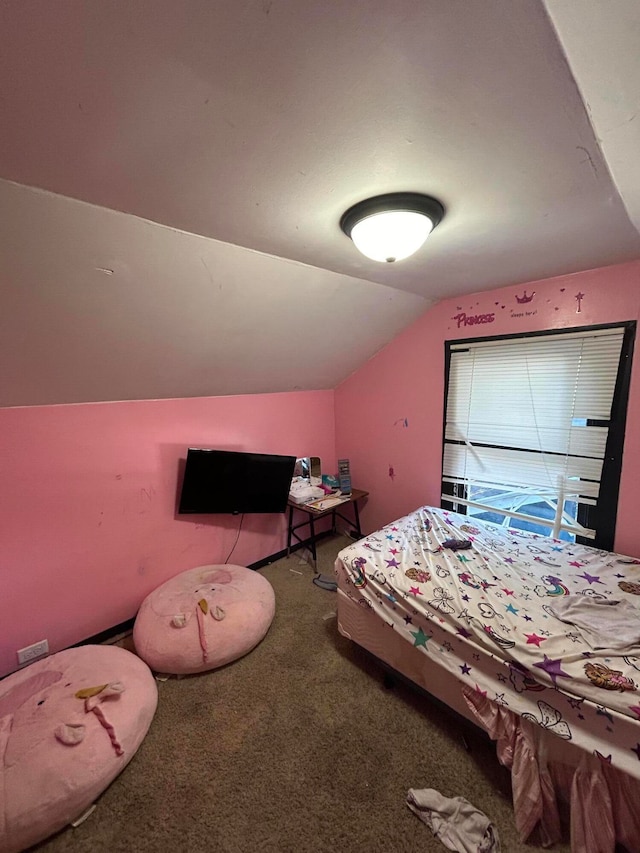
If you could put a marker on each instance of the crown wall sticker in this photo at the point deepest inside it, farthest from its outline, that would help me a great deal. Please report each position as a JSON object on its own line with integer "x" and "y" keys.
{"x": 525, "y": 299}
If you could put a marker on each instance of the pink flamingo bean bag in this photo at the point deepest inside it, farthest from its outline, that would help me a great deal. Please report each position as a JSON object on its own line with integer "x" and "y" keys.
{"x": 69, "y": 724}
{"x": 203, "y": 618}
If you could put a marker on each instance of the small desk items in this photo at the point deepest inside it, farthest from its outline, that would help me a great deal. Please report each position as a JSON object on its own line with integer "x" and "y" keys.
{"x": 319, "y": 509}
{"x": 344, "y": 476}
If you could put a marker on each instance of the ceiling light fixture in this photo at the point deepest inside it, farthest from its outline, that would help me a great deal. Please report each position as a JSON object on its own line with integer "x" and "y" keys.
{"x": 391, "y": 227}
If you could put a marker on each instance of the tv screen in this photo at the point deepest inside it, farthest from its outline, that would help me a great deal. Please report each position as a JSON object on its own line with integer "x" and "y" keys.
{"x": 227, "y": 481}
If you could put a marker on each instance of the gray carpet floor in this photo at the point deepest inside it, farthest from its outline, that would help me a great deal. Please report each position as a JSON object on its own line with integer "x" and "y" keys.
{"x": 302, "y": 745}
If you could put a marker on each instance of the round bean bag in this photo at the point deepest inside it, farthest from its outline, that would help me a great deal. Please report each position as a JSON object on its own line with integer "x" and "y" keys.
{"x": 203, "y": 618}
{"x": 68, "y": 725}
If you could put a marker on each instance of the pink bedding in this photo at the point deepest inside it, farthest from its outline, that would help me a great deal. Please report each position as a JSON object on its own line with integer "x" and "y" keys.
{"x": 602, "y": 800}
{"x": 482, "y": 616}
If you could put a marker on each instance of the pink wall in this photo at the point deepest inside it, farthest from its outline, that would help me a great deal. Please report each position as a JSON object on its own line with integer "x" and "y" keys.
{"x": 88, "y": 504}
{"x": 88, "y": 508}
{"x": 389, "y": 413}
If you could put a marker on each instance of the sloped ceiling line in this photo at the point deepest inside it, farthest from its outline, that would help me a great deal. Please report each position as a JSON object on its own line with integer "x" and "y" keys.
{"x": 205, "y": 152}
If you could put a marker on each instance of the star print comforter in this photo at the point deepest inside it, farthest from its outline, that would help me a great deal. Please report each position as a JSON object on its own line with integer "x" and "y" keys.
{"x": 485, "y": 614}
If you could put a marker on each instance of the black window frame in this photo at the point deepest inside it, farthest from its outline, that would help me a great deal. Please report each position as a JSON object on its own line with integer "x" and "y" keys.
{"x": 601, "y": 518}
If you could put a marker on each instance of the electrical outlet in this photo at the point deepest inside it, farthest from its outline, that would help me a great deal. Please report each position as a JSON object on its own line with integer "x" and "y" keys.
{"x": 37, "y": 650}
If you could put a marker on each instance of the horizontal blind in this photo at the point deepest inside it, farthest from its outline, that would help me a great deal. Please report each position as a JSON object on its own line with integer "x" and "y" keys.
{"x": 531, "y": 412}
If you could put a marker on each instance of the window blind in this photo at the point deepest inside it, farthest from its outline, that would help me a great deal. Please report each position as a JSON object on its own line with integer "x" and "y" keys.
{"x": 532, "y": 414}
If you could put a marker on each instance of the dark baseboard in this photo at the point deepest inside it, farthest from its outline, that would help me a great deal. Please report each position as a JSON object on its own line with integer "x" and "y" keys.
{"x": 108, "y": 635}
{"x": 126, "y": 627}
{"x": 259, "y": 564}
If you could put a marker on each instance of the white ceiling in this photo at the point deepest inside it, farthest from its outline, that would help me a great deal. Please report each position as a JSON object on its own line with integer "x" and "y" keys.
{"x": 254, "y": 124}
{"x": 601, "y": 39}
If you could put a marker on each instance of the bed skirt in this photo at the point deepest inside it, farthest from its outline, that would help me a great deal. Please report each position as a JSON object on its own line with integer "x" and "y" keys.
{"x": 601, "y": 798}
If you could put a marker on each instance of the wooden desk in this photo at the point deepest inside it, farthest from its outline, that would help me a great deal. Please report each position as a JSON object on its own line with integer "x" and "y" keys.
{"x": 312, "y": 514}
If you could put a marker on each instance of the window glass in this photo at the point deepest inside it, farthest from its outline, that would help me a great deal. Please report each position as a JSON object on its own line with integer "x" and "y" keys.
{"x": 534, "y": 430}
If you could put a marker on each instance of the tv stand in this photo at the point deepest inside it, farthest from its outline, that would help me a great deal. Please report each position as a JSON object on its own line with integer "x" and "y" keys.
{"x": 313, "y": 513}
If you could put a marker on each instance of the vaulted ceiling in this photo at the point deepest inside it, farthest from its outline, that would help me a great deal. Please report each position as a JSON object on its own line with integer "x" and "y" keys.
{"x": 172, "y": 176}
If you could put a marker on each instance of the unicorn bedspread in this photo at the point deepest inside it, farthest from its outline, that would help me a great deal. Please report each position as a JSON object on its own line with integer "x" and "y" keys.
{"x": 486, "y": 614}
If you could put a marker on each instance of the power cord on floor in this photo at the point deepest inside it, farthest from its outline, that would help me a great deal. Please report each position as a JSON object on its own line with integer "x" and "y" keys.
{"x": 325, "y": 582}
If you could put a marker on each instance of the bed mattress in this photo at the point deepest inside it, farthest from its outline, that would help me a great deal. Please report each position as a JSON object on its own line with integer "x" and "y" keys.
{"x": 485, "y": 616}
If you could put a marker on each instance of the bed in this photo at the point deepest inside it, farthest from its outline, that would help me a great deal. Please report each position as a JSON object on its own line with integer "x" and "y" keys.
{"x": 478, "y": 627}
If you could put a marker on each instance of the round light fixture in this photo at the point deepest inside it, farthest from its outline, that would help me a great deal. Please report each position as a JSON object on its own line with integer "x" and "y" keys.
{"x": 391, "y": 227}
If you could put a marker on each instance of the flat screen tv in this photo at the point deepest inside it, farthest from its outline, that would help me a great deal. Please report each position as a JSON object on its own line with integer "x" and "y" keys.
{"x": 228, "y": 481}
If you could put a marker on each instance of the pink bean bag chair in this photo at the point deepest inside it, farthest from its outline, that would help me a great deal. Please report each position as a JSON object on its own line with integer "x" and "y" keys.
{"x": 203, "y": 618}
{"x": 68, "y": 725}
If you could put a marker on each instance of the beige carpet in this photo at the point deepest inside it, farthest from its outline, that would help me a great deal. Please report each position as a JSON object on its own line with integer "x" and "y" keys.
{"x": 298, "y": 747}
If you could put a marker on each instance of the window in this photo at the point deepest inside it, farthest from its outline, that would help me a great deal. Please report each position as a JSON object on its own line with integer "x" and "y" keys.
{"x": 534, "y": 430}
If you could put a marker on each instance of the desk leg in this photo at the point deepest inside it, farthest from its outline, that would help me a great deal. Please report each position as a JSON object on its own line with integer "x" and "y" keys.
{"x": 313, "y": 540}
{"x": 290, "y": 530}
{"x": 357, "y": 517}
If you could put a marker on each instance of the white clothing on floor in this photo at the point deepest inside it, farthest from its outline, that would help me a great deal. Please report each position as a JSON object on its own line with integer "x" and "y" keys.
{"x": 459, "y": 825}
